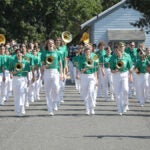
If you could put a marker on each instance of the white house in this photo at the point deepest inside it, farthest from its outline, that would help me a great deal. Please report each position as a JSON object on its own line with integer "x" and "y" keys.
{"x": 114, "y": 25}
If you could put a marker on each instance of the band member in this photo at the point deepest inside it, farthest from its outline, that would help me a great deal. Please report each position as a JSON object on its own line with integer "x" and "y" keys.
{"x": 19, "y": 69}
{"x": 62, "y": 49}
{"x": 28, "y": 57}
{"x": 142, "y": 78}
{"x": 5, "y": 75}
{"x": 51, "y": 63}
{"x": 132, "y": 51}
{"x": 88, "y": 80}
{"x": 75, "y": 61}
{"x": 120, "y": 64}
{"x": 36, "y": 75}
{"x": 107, "y": 75}
{"x": 100, "y": 53}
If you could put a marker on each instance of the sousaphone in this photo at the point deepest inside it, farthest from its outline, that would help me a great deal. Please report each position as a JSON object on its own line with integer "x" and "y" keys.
{"x": 2, "y": 39}
{"x": 66, "y": 36}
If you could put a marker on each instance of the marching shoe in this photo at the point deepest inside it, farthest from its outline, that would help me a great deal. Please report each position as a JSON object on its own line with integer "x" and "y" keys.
{"x": 88, "y": 112}
{"x": 51, "y": 114}
{"x": 92, "y": 112}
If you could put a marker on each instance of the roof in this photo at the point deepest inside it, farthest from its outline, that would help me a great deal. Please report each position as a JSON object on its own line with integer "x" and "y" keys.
{"x": 89, "y": 22}
{"x": 127, "y": 35}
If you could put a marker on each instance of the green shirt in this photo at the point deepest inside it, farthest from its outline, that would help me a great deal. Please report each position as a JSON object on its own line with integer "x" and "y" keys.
{"x": 125, "y": 59}
{"x": 55, "y": 59}
{"x": 90, "y": 64}
{"x": 75, "y": 61}
{"x": 22, "y": 72}
{"x": 64, "y": 53}
{"x": 5, "y": 59}
{"x": 133, "y": 54}
{"x": 28, "y": 57}
{"x": 107, "y": 60}
{"x": 141, "y": 65}
{"x": 36, "y": 62}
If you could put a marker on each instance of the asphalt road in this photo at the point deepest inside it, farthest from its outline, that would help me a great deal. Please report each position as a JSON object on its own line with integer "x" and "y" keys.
{"x": 71, "y": 129}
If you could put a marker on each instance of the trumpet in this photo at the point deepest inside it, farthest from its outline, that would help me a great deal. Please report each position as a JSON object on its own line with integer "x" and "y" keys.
{"x": 49, "y": 60}
{"x": 18, "y": 67}
{"x": 119, "y": 64}
{"x": 2, "y": 39}
{"x": 66, "y": 36}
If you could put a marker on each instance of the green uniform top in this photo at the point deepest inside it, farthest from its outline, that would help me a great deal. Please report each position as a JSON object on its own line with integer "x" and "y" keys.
{"x": 141, "y": 65}
{"x": 28, "y": 57}
{"x": 90, "y": 64}
{"x": 100, "y": 54}
{"x": 107, "y": 60}
{"x": 36, "y": 61}
{"x": 42, "y": 49}
{"x": 75, "y": 61}
{"x": 126, "y": 59}
{"x": 5, "y": 61}
{"x": 1, "y": 63}
{"x": 22, "y": 72}
{"x": 54, "y": 56}
{"x": 133, "y": 54}
{"x": 64, "y": 53}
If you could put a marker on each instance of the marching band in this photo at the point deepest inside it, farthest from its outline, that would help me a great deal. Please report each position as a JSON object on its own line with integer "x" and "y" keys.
{"x": 115, "y": 74}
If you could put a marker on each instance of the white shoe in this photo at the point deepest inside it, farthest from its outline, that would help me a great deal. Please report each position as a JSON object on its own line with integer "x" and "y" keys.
{"x": 55, "y": 108}
{"x": 112, "y": 98}
{"x": 87, "y": 112}
{"x": 32, "y": 100}
{"x": 27, "y": 104}
{"x": 38, "y": 98}
{"x": 120, "y": 114}
{"x": 126, "y": 108}
{"x": 92, "y": 112}
{"x": 62, "y": 101}
{"x": 51, "y": 114}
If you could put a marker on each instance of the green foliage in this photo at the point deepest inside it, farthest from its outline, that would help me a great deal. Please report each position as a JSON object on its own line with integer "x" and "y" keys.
{"x": 144, "y": 7}
{"x": 41, "y": 19}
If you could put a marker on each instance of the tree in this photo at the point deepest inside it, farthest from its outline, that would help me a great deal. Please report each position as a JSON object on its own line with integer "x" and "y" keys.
{"x": 42, "y": 19}
{"x": 144, "y": 7}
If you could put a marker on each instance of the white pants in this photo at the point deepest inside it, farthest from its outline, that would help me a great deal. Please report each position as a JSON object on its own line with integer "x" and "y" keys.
{"x": 142, "y": 82}
{"x": 6, "y": 85}
{"x": 108, "y": 82}
{"x": 77, "y": 81}
{"x": 19, "y": 86}
{"x": 121, "y": 89}
{"x": 88, "y": 89}
{"x": 70, "y": 65}
{"x": 51, "y": 83}
{"x": 4, "y": 88}
{"x": 35, "y": 88}
{"x": 100, "y": 83}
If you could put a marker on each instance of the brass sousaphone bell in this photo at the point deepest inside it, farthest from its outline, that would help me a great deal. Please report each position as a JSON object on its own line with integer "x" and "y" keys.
{"x": 49, "y": 60}
{"x": 85, "y": 38}
{"x": 18, "y": 67}
{"x": 2, "y": 39}
{"x": 119, "y": 64}
{"x": 66, "y": 36}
